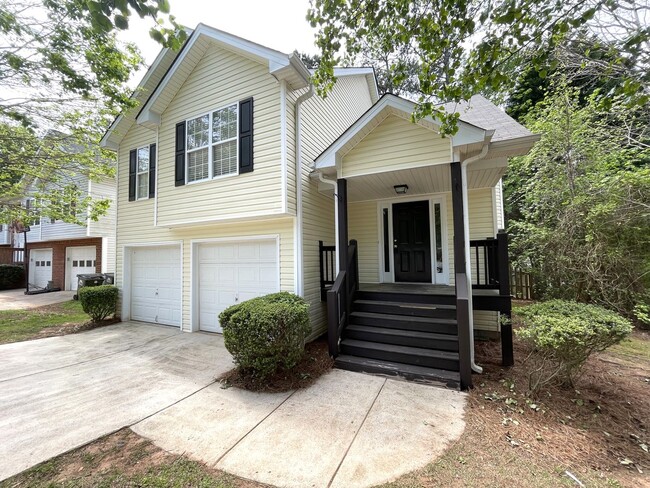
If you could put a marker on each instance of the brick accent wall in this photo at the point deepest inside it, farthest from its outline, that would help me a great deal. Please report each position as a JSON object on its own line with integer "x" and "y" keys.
{"x": 59, "y": 253}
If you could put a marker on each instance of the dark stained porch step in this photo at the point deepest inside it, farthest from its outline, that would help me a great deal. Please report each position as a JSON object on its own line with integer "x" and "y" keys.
{"x": 406, "y": 308}
{"x": 394, "y": 296}
{"x": 413, "y": 338}
{"x": 402, "y": 354}
{"x": 406, "y": 371}
{"x": 404, "y": 322}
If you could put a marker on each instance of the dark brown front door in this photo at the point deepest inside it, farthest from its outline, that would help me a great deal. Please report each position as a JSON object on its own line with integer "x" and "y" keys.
{"x": 412, "y": 242}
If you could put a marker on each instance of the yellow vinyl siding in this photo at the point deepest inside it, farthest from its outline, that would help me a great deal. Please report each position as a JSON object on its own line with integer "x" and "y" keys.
{"x": 362, "y": 218}
{"x": 323, "y": 121}
{"x": 393, "y": 145}
{"x": 221, "y": 78}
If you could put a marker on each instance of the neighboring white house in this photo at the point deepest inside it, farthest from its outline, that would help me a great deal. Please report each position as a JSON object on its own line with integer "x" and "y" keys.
{"x": 226, "y": 185}
{"x": 59, "y": 251}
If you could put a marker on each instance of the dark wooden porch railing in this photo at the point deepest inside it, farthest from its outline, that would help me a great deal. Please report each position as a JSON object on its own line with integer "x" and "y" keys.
{"x": 12, "y": 255}
{"x": 485, "y": 269}
{"x": 489, "y": 268}
{"x": 327, "y": 256}
{"x": 340, "y": 297}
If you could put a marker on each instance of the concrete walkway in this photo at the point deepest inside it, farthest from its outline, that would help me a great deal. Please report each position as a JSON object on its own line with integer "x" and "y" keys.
{"x": 17, "y": 300}
{"x": 346, "y": 430}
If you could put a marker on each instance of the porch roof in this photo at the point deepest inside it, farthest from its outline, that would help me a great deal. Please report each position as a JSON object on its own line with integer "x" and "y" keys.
{"x": 481, "y": 122}
{"x": 387, "y": 105}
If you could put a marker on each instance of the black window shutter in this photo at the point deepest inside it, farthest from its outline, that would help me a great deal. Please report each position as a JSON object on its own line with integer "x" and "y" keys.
{"x": 152, "y": 171}
{"x": 133, "y": 163}
{"x": 246, "y": 136}
{"x": 180, "y": 154}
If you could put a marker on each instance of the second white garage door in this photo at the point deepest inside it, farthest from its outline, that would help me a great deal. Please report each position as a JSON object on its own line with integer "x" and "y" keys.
{"x": 232, "y": 272}
{"x": 156, "y": 285}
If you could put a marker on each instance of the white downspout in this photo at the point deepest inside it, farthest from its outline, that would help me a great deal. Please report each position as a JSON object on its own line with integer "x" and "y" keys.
{"x": 468, "y": 264}
{"x": 336, "y": 215}
{"x": 283, "y": 142}
{"x": 300, "y": 275}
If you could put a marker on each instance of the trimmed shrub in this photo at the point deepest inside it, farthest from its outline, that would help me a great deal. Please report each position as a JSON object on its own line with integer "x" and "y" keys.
{"x": 266, "y": 334}
{"x": 563, "y": 334}
{"x": 98, "y": 301}
{"x": 11, "y": 276}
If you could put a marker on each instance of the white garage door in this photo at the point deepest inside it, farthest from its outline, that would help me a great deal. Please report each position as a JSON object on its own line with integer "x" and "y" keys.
{"x": 40, "y": 267}
{"x": 232, "y": 272}
{"x": 156, "y": 285}
{"x": 80, "y": 260}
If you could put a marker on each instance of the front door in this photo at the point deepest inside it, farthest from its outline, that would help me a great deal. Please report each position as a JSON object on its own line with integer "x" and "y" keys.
{"x": 412, "y": 242}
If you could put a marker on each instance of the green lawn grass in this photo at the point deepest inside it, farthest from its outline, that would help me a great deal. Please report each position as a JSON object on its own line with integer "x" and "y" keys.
{"x": 20, "y": 325}
{"x": 632, "y": 347}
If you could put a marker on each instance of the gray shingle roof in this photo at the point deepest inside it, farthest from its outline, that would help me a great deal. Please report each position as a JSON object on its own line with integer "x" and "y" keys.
{"x": 481, "y": 112}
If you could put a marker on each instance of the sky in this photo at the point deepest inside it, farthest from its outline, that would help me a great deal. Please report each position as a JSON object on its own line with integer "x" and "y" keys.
{"x": 278, "y": 24}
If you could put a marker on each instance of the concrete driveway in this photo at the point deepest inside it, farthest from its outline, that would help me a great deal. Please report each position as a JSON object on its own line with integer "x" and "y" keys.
{"x": 17, "y": 300}
{"x": 346, "y": 430}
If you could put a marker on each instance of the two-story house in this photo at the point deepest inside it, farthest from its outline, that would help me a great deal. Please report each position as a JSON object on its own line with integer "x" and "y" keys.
{"x": 58, "y": 251}
{"x": 236, "y": 180}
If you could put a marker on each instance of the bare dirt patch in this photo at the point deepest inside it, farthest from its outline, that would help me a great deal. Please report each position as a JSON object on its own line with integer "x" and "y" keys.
{"x": 315, "y": 362}
{"x": 72, "y": 328}
{"x": 124, "y": 459}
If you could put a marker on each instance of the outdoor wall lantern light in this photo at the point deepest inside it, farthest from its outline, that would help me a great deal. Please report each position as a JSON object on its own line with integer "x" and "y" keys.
{"x": 401, "y": 189}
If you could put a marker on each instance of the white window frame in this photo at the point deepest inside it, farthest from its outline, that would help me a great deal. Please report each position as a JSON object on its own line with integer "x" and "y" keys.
{"x": 139, "y": 173}
{"x": 211, "y": 145}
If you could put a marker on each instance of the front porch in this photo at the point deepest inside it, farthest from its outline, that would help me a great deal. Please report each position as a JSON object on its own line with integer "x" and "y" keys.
{"x": 415, "y": 330}
{"x": 418, "y": 256}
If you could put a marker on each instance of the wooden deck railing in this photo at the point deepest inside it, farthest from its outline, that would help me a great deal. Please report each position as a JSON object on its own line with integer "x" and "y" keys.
{"x": 339, "y": 299}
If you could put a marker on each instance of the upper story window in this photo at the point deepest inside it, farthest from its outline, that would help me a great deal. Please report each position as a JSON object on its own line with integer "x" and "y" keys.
{"x": 212, "y": 144}
{"x": 142, "y": 183}
{"x": 142, "y": 173}
{"x": 32, "y": 211}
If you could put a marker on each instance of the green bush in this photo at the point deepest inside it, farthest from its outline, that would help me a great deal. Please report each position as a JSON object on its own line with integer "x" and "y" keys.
{"x": 11, "y": 276}
{"x": 98, "y": 301}
{"x": 266, "y": 333}
{"x": 563, "y": 334}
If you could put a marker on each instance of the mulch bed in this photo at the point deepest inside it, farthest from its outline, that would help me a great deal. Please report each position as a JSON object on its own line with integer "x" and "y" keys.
{"x": 315, "y": 363}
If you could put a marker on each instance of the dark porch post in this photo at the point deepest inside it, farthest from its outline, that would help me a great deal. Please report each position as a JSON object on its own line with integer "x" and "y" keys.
{"x": 342, "y": 217}
{"x": 507, "y": 353}
{"x": 460, "y": 273}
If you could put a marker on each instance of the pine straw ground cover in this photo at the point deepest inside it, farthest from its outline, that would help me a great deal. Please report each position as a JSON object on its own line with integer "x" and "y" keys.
{"x": 597, "y": 432}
